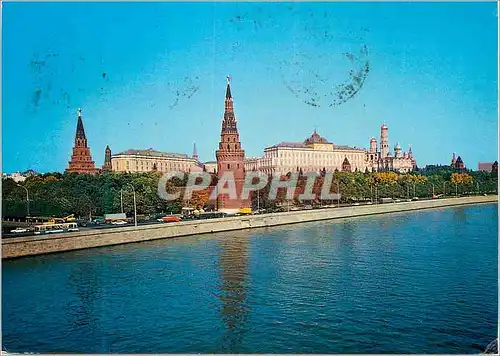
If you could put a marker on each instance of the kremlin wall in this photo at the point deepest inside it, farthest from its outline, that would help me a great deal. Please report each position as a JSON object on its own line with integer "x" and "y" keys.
{"x": 314, "y": 154}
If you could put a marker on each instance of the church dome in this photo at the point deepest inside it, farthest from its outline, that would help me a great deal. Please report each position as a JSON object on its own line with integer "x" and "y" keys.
{"x": 315, "y": 138}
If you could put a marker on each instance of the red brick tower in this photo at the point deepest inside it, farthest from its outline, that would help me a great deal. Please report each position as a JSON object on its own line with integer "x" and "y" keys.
{"x": 230, "y": 157}
{"x": 81, "y": 160}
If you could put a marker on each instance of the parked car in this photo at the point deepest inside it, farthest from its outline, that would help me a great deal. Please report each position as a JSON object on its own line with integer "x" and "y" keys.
{"x": 98, "y": 221}
{"x": 118, "y": 222}
{"x": 386, "y": 200}
{"x": 19, "y": 230}
{"x": 356, "y": 204}
{"x": 170, "y": 218}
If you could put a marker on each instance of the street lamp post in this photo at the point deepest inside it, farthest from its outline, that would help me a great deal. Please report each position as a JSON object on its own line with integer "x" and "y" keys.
{"x": 456, "y": 190}
{"x": 135, "y": 206}
{"x": 432, "y": 189}
{"x": 121, "y": 198}
{"x": 414, "y": 195}
{"x": 258, "y": 194}
{"x": 477, "y": 188}
{"x": 90, "y": 206}
{"x": 338, "y": 194}
{"x": 216, "y": 196}
{"x": 27, "y": 199}
{"x": 444, "y": 188}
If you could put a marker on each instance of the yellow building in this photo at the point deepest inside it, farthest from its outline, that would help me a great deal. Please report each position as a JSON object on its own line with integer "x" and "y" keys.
{"x": 314, "y": 154}
{"x": 317, "y": 153}
{"x": 151, "y": 160}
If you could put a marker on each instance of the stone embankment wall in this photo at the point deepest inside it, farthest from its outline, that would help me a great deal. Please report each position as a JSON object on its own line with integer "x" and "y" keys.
{"x": 35, "y": 245}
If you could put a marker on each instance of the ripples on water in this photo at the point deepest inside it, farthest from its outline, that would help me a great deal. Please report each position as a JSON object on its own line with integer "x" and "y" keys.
{"x": 422, "y": 282}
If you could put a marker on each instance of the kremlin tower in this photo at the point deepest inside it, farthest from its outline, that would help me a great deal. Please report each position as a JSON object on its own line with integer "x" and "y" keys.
{"x": 81, "y": 160}
{"x": 195, "y": 152}
{"x": 384, "y": 141}
{"x": 107, "y": 160}
{"x": 230, "y": 157}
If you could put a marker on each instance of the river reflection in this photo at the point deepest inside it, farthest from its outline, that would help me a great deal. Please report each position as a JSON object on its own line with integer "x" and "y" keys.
{"x": 402, "y": 283}
{"x": 82, "y": 309}
{"x": 233, "y": 262}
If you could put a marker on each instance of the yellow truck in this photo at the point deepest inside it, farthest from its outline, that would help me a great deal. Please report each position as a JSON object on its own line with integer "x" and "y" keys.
{"x": 245, "y": 211}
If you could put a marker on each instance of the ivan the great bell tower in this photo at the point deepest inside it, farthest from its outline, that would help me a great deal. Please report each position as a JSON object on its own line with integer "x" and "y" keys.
{"x": 230, "y": 157}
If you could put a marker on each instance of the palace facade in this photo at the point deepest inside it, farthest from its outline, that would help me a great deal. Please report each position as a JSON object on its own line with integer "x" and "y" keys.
{"x": 134, "y": 161}
{"x": 316, "y": 153}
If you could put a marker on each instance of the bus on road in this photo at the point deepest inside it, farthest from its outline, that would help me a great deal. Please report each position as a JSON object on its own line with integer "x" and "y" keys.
{"x": 55, "y": 228}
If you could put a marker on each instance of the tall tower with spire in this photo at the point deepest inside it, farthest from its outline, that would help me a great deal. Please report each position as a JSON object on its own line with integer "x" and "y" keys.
{"x": 384, "y": 141}
{"x": 81, "y": 159}
{"x": 373, "y": 145}
{"x": 230, "y": 157}
{"x": 195, "y": 152}
{"x": 453, "y": 160}
{"x": 107, "y": 159}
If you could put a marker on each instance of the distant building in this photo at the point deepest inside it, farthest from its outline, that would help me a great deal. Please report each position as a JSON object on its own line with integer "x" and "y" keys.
{"x": 485, "y": 166}
{"x": 151, "y": 160}
{"x": 106, "y": 167}
{"x": 16, "y": 177}
{"x": 312, "y": 155}
{"x": 384, "y": 160}
{"x": 210, "y": 166}
{"x": 195, "y": 152}
{"x": 81, "y": 159}
{"x": 317, "y": 154}
{"x": 457, "y": 163}
{"x": 29, "y": 173}
{"x": 453, "y": 160}
{"x": 346, "y": 166}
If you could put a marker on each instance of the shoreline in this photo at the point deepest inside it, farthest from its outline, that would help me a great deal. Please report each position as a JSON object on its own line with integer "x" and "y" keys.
{"x": 38, "y": 245}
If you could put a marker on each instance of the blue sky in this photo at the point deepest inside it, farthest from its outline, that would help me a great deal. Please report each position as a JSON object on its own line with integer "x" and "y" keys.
{"x": 152, "y": 75}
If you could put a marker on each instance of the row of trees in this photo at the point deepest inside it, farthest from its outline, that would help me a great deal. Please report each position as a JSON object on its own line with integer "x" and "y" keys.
{"x": 56, "y": 194}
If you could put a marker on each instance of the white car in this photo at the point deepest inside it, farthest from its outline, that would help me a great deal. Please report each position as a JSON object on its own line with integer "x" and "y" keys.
{"x": 119, "y": 222}
{"x": 356, "y": 204}
{"x": 19, "y": 230}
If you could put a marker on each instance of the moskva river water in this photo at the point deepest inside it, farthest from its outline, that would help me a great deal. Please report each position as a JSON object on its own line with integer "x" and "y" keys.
{"x": 419, "y": 282}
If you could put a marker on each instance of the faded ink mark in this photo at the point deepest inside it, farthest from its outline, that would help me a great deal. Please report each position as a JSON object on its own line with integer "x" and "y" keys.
{"x": 38, "y": 65}
{"x": 323, "y": 67}
{"x": 37, "y": 94}
{"x": 184, "y": 89}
